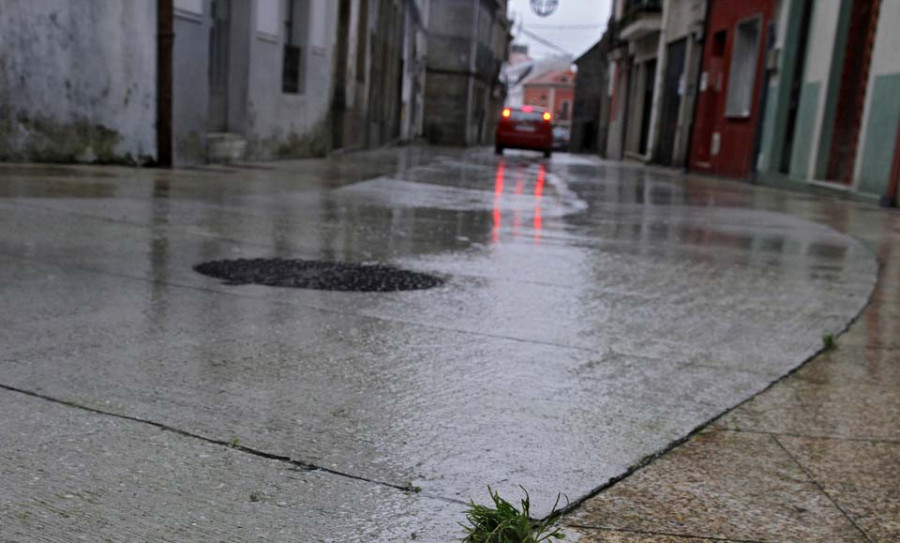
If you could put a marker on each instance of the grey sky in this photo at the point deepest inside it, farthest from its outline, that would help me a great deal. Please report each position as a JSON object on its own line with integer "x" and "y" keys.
{"x": 558, "y": 29}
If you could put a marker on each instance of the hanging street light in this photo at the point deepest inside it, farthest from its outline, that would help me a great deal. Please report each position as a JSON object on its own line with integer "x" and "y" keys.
{"x": 544, "y": 8}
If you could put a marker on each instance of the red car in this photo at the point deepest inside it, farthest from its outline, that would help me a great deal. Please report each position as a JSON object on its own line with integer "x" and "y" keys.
{"x": 525, "y": 127}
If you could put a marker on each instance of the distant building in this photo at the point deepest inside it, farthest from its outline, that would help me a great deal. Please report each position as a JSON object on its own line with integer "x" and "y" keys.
{"x": 590, "y": 111}
{"x": 554, "y": 91}
{"x": 516, "y": 75}
{"x": 468, "y": 42}
{"x": 654, "y": 93}
{"x": 379, "y": 76}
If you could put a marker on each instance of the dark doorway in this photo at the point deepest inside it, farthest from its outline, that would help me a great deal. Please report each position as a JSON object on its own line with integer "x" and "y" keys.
{"x": 854, "y": 77}
{"x": 672, "y": 87}
{"x": 219, "y": 35}
{"x": 339, "y": 98}
{"x": 796, "y": 87}
{"x": 649, "y": 83}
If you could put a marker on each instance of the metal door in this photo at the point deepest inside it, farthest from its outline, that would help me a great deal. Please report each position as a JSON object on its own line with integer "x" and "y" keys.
{"x": 672, "y": 89}
{"x": 219, "y": 35}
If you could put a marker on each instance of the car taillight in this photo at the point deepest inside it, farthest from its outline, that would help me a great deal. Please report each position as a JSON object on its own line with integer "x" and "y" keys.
{"x": 547, "y": 116}
{"x": 506, "y": 113}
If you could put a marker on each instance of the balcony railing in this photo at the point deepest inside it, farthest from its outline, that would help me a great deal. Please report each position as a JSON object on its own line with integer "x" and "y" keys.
{"x": 634, "y": 9}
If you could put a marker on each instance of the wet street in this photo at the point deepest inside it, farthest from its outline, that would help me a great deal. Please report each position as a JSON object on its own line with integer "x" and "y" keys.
{"x": 567, "y": 320}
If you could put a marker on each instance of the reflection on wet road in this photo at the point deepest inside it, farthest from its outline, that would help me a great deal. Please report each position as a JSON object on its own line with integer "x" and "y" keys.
{"x": 592, "y": 314}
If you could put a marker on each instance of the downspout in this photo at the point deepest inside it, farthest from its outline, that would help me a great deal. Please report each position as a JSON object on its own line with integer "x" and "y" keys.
{"x": 763, "y": 103}
{"x": 890, "y": 199}
{"x": 700, "y": 71}
{"x": 165, "y": 38}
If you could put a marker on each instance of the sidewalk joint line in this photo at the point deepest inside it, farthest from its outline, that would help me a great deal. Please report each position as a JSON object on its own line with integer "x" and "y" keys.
{"x": 666, "y": 534}
{"x": 818, "y": 485}
{"x": 304, "y": 466}
{"x": 872, "y": 440}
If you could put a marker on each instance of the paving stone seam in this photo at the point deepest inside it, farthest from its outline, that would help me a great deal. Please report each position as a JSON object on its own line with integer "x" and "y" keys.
{"x": 665, "y": 534}
{"x": 822, "y": 490}
{"x": 869, "y": 440}
{"x": 300, "y": 464}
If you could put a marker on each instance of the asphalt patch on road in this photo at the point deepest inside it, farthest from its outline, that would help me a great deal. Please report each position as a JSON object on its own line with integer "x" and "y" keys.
{"x": 316, "y": 275}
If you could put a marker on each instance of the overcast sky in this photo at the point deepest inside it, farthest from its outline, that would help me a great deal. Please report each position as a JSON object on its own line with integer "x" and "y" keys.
{"x": 575, "y": 26}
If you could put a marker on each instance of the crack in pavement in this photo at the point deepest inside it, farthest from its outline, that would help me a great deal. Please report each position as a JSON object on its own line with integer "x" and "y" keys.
{"x": 299, "y": 464}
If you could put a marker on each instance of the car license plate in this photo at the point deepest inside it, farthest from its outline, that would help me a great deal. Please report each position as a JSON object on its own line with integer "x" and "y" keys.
{"x": 524, "y": 128}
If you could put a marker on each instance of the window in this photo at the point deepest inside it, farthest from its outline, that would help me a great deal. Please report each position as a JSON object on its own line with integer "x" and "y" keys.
{"x": 290, "y": 72}
{"x": 563, "y": 113}
{"x": 719, "y": 39}
{"x": 742, "y": 74}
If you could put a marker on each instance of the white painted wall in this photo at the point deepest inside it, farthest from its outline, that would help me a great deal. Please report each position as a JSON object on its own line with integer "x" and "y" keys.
{"x": 190, "y": 6}
{"x": 268, "y": 17}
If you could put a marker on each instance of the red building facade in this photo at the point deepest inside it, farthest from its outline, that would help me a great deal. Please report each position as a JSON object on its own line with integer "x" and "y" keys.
{"x": 728, "y": 106}
{"x": 554, "y": 91}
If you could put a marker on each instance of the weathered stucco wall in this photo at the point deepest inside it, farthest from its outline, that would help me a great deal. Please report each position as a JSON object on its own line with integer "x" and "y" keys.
{"x": 280, "y": 125}
{"x": 78, "y": 80}
{"x": 190, "y": 82}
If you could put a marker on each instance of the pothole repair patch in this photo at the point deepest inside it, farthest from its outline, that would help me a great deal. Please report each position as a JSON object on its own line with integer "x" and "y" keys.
{"x": 316, "y": 275}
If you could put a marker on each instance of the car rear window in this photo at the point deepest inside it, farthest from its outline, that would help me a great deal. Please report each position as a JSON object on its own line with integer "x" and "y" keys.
{"x": 519, "y": 115}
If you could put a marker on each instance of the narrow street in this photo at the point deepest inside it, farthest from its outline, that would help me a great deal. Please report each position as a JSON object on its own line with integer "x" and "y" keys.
{"x": 585, "y": 316}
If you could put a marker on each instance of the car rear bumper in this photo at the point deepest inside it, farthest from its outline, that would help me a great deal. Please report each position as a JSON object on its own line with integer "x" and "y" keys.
{"x": 520, "y": 140}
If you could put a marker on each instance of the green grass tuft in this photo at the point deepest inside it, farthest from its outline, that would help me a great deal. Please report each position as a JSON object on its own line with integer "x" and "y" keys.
{"x": 503, "y": 523}
{"x": 829, "y": 343}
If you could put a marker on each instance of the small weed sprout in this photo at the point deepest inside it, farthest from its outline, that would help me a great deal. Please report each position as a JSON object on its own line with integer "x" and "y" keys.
{"x": 410, "y": 487}
{"x": 829, "y": 343}
{"x": 235, "y": 441}
{"x": 503, "y": 523}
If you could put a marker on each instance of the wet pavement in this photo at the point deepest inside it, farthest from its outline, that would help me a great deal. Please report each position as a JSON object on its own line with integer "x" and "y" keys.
{"x": 816, "y": 458}
{"x": 591, "y": 316}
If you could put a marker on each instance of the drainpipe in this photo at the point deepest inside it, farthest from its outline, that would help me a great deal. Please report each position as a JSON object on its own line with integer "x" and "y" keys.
{"x": 658, "y": 85}
{"x": 763, "y": 102}
{"x": 890, "y": 199}
{"x": 165, "y": 37}
{"x": 690, "y": 127}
